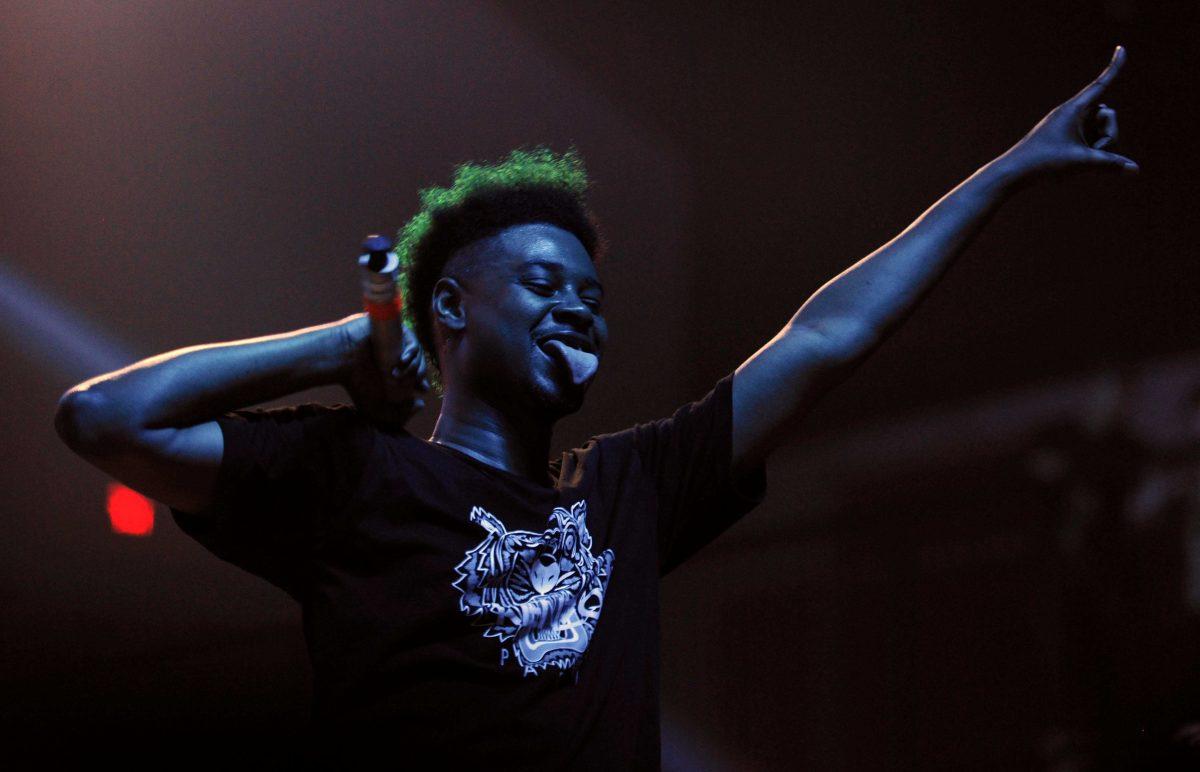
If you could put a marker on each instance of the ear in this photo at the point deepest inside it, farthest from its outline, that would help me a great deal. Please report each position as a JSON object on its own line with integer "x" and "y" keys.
{"x": 448, "y": 305}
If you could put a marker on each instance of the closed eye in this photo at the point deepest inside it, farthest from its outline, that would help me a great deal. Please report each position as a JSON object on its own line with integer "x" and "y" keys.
{"x": 547, "y": 290}
{"x": 540, "y": 288}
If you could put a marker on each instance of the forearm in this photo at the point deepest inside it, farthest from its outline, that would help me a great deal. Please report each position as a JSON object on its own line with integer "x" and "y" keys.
{"x": 858, "y": 308}
{"x": 197, "y": 383}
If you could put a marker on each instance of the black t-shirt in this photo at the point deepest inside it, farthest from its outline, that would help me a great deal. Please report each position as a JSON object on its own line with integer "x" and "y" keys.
{"x": 453, "y": 607}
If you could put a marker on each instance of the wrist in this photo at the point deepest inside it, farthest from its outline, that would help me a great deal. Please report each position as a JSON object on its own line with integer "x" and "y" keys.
{"x": 352, "y": 335}
{"x": 1010, "y": 172}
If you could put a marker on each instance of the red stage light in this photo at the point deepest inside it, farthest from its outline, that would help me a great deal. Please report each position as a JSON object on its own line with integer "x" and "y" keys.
{"x": 129, "y": 512}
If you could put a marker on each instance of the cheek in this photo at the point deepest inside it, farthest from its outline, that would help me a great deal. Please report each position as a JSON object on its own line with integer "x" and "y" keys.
{"x": 513, "y": 330}
{"x": 520, "y": 308}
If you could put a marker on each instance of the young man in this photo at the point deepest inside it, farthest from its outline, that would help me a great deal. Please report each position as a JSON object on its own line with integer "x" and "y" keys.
{"x": 462, "y": 596}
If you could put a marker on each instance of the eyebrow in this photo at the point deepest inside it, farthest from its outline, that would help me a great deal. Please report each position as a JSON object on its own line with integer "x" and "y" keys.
{"x": 557, "y": 267}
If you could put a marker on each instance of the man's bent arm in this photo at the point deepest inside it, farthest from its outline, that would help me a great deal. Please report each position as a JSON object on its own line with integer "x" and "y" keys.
{"x": 150, "y": 424}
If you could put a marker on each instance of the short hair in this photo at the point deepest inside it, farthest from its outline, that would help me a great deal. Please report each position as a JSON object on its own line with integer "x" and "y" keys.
{"x": 528, "y": 186}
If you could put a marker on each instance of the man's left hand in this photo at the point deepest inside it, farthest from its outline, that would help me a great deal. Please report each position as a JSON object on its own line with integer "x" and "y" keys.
{"x": 1072, "y": 136}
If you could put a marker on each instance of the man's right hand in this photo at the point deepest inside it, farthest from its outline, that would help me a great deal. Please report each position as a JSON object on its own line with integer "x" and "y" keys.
{"x": 383, "y": 398}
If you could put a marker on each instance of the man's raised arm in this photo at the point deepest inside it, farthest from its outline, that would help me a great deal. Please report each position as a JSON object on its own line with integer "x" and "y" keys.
{"x": 848, "y": 317}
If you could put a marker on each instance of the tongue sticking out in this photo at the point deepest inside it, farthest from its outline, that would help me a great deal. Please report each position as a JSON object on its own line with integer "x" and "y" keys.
{"x": 581, "y": 364}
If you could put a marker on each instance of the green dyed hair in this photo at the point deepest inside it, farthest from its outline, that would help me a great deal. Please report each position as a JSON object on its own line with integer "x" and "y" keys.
{"x": 534, "y": 185}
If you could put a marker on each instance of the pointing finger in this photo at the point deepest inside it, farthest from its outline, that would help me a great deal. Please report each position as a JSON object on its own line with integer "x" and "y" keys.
{"x": 1091, "y": 92}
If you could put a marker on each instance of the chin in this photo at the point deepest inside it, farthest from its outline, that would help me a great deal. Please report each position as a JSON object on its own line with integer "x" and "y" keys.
{"x": 552, "y": 393}
{"x": 557, "y": 402}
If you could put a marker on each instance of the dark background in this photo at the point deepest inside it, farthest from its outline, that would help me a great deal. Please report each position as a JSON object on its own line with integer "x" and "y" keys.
{"x": 952, "y": 568}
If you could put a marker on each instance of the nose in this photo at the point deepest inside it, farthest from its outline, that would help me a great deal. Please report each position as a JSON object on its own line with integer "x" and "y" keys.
{"x": 576, "y": 312}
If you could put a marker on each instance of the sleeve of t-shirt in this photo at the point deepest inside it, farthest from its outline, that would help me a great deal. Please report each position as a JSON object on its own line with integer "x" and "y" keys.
{"x": 689, "y": 457}
{"x": 285, "y": 474}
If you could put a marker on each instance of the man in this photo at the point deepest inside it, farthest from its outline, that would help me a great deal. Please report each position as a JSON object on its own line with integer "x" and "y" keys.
{"x": 462, "y": 596}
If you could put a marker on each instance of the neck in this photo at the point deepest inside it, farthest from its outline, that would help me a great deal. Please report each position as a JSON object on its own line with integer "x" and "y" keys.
{"x": 474, "y": 426}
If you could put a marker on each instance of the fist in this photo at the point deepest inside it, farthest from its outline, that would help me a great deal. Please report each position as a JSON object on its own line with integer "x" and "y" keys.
{"x": 390, "y": 398}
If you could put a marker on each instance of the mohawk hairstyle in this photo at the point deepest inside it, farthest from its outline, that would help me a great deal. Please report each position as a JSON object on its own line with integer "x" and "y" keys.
{"x": 528, "y": 186}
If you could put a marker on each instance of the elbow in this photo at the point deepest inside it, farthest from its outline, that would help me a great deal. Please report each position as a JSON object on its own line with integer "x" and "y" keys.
{"x": 839, "y": 342}
{"x": 69, "y": 421}
{"x": 84, "y": 421}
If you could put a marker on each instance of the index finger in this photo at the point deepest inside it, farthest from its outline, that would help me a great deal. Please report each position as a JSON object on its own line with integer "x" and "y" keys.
{"x": 1091, "y": 92}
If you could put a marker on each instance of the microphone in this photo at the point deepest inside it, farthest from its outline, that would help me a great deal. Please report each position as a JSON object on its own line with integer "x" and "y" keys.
{"x": 383, "y": 304}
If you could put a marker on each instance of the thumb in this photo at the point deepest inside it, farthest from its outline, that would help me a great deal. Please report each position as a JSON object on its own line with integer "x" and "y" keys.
{"x": 1114, "y": 161}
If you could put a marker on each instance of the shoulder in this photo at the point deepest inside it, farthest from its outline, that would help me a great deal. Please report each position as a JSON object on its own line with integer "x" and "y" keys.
{"x": 702, "y": 412}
